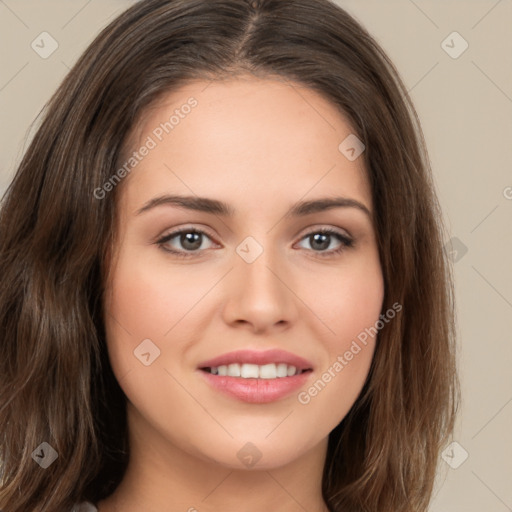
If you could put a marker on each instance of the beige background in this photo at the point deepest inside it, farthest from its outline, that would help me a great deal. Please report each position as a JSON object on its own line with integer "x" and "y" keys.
{"x": 465, "y": 105}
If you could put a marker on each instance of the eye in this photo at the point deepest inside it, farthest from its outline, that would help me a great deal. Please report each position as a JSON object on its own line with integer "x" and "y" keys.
{"x": 190, "y": 240}
{"x": 321, "y": 239}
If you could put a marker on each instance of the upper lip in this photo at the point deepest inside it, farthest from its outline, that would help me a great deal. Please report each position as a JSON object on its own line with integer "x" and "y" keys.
{"x": 258, "y": 357}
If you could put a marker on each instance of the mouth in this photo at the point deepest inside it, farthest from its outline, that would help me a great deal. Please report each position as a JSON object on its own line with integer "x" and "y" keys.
{"x": 257, "y": 364}
{"x": 255, "y": 376}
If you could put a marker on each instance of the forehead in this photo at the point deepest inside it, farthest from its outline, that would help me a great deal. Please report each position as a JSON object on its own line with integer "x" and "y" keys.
{"x": 243, "y": 138}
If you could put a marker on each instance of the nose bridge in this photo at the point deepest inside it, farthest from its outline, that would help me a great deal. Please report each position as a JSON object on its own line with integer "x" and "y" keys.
{"x": 258, "y": 293}
{"x": 257, "y": 265}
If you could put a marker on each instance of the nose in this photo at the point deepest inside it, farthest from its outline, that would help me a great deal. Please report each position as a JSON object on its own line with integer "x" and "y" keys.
{"x": 260, "y": 294}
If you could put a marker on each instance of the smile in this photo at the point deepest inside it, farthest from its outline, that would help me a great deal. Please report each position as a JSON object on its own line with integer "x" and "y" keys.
{"x": 254, "y": 371}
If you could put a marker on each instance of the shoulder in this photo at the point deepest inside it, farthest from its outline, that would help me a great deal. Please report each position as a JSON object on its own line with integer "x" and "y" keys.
{"x": 84, "y": 507}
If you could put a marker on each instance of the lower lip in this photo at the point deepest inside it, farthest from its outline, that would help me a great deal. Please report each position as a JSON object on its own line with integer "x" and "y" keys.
{"x": 257, "y": 391}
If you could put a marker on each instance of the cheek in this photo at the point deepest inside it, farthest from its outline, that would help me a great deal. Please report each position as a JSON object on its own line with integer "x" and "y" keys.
{"x": 139, "y": 306}
{"x": 147, "y": 300}
{"x": 341, "y": 377}
{"x": 349, "y": 304}
{"x": 346, "y": 300}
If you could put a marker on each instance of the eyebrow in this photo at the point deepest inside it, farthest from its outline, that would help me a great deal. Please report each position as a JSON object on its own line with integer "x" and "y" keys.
{"x": 213, "y": 206}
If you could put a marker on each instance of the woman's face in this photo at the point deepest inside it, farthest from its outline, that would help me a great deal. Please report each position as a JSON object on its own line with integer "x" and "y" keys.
{"x": 260, "y": 278}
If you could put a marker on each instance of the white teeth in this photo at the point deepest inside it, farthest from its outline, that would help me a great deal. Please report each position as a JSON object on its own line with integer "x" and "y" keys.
{"x": 268, "y": 371}
{"x": 234, "y": 370}
{"x": 291, "y": 371}
{"x": 282, "y": 370}
{"x": 248, "y": 371}
{"x": 254, "y": 371}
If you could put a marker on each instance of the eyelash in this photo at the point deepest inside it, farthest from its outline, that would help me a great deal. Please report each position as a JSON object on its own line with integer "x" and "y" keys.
{"x": 346, "y": 242}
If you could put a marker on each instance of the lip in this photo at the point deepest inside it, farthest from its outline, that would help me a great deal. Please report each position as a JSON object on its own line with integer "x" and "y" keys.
{"x": 256, "y": 391}
{"x": 258, "y": 357}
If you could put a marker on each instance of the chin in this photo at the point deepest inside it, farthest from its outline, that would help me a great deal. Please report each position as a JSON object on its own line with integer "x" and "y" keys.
{"x": 253, "y": 453}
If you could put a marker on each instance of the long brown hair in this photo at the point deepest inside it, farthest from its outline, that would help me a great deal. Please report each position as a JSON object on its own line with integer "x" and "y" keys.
{"x": 56, "y": 383}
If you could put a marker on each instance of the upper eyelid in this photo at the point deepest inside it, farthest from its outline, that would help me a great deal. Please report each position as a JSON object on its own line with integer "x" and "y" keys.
{"x": 186, "y": 229}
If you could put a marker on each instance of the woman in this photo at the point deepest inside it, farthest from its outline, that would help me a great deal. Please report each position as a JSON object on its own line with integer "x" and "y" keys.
{"x": 253, "y": 367}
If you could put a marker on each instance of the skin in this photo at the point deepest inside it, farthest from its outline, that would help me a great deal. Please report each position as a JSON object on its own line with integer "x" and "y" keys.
{"x": 260, "y": 145}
